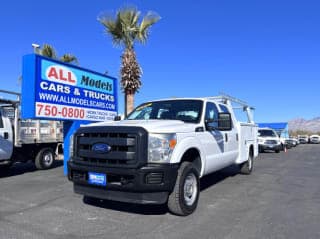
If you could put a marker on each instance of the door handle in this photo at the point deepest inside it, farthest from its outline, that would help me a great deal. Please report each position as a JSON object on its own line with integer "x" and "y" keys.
{"x": 6, "y": 135}
{"x": 226, "y": 136}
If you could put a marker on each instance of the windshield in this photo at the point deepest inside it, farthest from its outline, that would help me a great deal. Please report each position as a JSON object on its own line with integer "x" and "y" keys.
{"x": 266, "y": 133}
{"x": 186, "y": 110}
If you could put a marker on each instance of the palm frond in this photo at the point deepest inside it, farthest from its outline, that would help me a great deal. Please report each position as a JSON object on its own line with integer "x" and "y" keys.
{"x": 124, "y": 28}
{"x": 150, "y": 19}
{"x": 113, "y": 28}
{"x": 69, "y": 58}
{"x": 48, "y": 51}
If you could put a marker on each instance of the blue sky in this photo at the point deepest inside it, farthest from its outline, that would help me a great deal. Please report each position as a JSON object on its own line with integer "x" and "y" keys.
{"x": 264, "y": 52}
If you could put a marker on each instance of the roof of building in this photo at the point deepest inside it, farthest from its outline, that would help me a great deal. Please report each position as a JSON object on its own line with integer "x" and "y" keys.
{"x": 280, "y": 125}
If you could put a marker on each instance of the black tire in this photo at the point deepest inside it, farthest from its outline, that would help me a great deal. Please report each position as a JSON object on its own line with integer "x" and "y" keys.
{"x": 183, "y": 200}
{"x": 7, "y": 166}
{"x": 45, "y": 158}
{"x": 261, "y": 150}
{"x": 277, "y": 151}
{"x": 247, "y": 167}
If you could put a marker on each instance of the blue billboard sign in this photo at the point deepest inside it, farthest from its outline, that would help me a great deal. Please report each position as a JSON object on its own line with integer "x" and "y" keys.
{"x": 58, "y": 91}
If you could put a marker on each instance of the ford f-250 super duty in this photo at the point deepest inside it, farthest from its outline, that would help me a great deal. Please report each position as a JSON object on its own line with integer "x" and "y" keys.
{"x": 160, "y": 151}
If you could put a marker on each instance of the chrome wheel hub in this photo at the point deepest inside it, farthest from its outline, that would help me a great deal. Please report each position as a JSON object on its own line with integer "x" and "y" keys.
{"x": 190, "y": 189}
{"x": 47, "y": 159}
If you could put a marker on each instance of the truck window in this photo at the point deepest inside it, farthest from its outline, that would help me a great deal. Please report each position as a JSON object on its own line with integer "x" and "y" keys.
{"x": 212, "y": 114}
{"x": 188, "y": 111}
{"x": 224, "y": 109}
{"x": 266, "y": 133}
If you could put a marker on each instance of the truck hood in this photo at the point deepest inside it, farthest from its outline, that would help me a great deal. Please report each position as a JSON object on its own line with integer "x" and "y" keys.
{"x": 152, "y": 126}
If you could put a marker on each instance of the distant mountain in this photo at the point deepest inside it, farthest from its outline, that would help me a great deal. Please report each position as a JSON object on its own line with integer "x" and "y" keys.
{"x": 312, "y": 125}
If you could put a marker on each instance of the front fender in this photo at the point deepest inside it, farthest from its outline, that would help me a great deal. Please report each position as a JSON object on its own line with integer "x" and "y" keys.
{"x": 183, "y": 146}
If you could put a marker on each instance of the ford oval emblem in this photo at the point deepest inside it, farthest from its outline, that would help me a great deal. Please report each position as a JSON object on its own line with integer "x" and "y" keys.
{"x": 101, "y": 148}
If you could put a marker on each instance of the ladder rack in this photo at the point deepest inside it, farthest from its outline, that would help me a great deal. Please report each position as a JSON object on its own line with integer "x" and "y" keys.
{"x": 227, "y": 99}
{"x": 9, "y": 101}
{"x": 224, "y": 98}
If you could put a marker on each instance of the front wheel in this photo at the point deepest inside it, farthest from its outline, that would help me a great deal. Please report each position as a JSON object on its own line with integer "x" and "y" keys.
{"x": 6, "y": 166}
{"x": 184, "y": 198}
{"x": 45, "y": 158}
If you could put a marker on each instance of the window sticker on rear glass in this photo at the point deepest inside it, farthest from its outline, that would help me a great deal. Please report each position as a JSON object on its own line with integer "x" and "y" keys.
{"x": 143, "y": 106}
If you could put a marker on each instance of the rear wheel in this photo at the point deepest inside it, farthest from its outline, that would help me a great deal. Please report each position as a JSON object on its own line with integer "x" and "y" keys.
{"x": 247, "y": 167}
{"x": 184, "y": 198}
{"x": 45, "y": 158}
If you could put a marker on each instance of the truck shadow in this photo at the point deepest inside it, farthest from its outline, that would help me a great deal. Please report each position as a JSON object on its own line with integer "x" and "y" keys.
{"x": 22, "y": 168}
{"x": 206, "y": 182}
{"x": 216, "y": 177}
{"x": 127, "y": 207}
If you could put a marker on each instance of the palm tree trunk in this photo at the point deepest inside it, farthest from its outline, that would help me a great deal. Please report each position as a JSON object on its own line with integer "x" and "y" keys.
{"x": 129, "y": 102}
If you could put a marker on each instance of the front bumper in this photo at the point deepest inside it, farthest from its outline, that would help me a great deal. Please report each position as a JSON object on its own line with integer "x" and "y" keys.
{"x": 149, "y": 184}
{"x": 274, "y": 147}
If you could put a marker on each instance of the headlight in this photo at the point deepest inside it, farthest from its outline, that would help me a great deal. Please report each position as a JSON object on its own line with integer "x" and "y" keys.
{"x": 160, "y": 147}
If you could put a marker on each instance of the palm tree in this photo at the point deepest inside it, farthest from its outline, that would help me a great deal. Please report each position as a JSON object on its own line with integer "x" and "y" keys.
{"x": 125, "y": 29}
{"x": 49, "y": 51}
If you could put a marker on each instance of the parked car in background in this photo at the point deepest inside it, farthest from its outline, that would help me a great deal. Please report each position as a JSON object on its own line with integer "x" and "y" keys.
{"x": 22, "y": 140}
{"x": 268, "y": 139}
{"x": 294, "y": 141}
{"x": 282, "y": 142}
{"x": 290, "y": 143}
{"x": 303, "y": 139}
{"x": 315, "y": 139}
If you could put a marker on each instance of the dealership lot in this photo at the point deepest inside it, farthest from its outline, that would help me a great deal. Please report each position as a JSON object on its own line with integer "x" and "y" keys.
{"x": 281, "y": 199}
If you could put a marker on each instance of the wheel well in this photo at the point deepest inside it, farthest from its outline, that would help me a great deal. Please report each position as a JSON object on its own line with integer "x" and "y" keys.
{"x": 193, "y": 155}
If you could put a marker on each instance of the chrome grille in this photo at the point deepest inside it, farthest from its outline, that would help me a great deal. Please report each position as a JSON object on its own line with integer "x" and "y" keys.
{"x": 123, "y": 149}
{"x": 271, "y": 142}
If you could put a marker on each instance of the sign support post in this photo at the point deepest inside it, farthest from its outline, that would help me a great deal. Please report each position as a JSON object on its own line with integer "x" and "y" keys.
{"x": 69, "y": 128}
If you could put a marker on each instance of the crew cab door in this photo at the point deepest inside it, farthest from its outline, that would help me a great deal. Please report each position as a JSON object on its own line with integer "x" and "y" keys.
{"x": 6, "y": 143}
{"x": 231, "y": 139}
{"x": 212, "y": 140}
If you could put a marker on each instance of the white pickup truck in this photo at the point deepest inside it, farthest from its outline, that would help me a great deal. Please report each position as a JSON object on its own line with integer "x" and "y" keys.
{"x": 160, "y": 151}
{"x": 24, "y": 140}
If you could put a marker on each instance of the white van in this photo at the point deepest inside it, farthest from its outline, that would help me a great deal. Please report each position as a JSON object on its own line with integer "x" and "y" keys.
{"x": 268, "y": 139}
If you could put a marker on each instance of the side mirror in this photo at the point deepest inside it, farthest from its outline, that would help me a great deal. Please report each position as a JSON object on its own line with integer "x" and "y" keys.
{"x": 224, "y": 121}
{"x": 117, "y": 118}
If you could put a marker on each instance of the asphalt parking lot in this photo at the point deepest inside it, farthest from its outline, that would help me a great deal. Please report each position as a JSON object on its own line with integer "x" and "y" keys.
{"x": 281, "y": 199}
